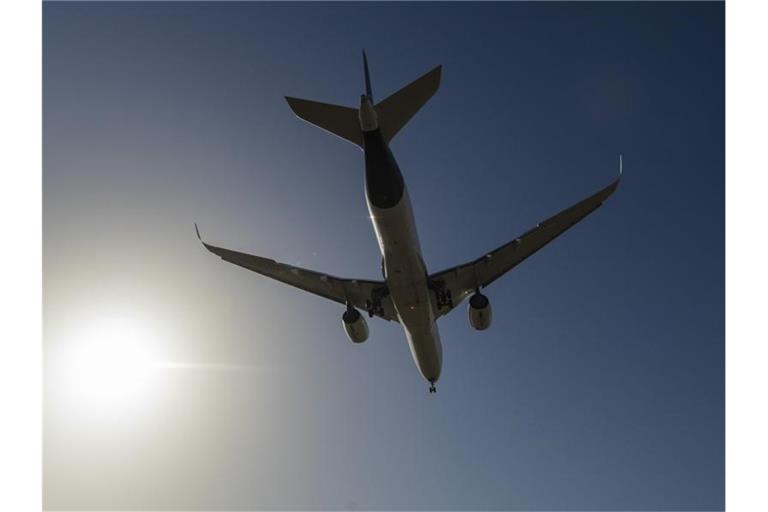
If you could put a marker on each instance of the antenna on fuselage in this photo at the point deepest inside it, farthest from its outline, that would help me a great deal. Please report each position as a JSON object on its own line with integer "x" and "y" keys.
{"x": 368, "y": 91}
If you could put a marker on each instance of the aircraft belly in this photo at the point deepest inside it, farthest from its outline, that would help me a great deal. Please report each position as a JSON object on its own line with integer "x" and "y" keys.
{"x": 406, "y": 278}
{"x": 427, "y": 352}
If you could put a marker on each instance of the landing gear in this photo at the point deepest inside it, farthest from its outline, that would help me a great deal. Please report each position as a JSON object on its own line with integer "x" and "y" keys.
{"x": 373, "y": 305}
{"x": 443, "y": 296}
{"x": 432, "y": 388}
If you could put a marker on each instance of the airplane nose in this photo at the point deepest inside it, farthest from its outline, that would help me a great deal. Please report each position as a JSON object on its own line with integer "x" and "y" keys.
{"x": 431, "y": 372}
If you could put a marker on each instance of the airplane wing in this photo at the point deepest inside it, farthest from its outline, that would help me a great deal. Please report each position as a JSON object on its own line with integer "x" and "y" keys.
{"x": 454, "y": 284}
{"x": 370, "y": 296}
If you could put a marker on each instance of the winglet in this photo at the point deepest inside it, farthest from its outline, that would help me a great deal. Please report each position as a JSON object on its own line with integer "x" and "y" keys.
{"x": 613, "y": 186}
{"x": 210, "y": 248}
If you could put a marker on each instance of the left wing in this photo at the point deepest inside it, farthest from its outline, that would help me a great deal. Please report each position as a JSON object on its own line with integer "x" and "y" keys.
{"x": 370, "y": 296}
{"x": 452, "y": 285}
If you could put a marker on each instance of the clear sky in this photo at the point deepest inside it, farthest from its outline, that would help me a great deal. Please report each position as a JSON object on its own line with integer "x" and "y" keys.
{"x": 600, "y": 384}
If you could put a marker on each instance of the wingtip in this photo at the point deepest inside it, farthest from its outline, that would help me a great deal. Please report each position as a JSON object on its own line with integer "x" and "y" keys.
{"x": 615, "y": 184}
{"x": 197, "y": 231}
{"x": 438, "y": 70}
{"x": 295, "y": 105}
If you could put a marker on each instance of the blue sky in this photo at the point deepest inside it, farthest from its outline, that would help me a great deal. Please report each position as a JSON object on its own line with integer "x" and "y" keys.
{"x": 600, "y": 384}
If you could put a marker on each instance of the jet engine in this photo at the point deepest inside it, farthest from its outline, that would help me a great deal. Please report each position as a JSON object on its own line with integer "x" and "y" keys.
{"x": 479, "y": 312}
{"x": 354, "y": 325}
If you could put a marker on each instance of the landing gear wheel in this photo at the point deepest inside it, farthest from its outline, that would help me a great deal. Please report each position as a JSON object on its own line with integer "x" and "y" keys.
{"x": 432, "y": 388}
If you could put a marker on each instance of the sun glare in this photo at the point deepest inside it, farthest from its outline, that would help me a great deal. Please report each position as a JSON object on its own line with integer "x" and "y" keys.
{"x": 109, "y": 365}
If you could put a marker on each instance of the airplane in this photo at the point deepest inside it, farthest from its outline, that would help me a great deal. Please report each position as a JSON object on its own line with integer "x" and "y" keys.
{"x": 408, "y": 293}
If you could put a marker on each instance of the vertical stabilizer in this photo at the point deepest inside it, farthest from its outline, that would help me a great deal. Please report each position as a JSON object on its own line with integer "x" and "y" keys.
{"x": 368, "y": 91}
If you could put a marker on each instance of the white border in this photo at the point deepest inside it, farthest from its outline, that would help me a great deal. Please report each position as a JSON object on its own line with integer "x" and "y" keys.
{"x": 20, "y": 217}
{"x": 746, "y": 256}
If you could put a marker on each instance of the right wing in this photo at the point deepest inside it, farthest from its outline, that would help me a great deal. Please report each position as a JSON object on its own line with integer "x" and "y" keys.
{"x": 454, "y": 284}
{"x": 370, "y": 296}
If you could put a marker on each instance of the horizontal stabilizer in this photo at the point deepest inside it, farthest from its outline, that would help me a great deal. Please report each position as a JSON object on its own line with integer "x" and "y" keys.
{"x": 396, "y": 110}
{"x": 340, "y": 121}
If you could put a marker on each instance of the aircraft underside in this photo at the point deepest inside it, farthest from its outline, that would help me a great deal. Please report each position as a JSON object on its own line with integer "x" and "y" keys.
{"x": 408, "y": 295}
{"x": 406, "y": 278}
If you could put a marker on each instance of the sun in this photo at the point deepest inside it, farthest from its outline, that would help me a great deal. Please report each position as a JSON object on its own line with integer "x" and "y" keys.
{"x": 109, "y": 365}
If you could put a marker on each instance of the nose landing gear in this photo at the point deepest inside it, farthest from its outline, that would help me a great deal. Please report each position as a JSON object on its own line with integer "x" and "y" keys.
{"x": 432, "y": 388}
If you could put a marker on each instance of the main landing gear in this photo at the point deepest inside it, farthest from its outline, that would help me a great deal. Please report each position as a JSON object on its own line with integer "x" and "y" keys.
{"x": 432, "y": 388}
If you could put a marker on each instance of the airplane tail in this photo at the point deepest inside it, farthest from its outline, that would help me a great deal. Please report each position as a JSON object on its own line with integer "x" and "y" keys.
{"x": 393, "y": 112}
{"x": 341, "y": 121}
{"x": 396, "y": 110}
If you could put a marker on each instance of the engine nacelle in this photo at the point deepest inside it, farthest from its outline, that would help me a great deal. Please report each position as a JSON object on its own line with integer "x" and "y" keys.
{"x": 479, "y": 312}
{"x": 354, "y": 325}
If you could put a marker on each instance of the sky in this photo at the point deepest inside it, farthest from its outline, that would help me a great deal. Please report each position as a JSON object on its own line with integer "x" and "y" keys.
{"x": 599, "y": 386}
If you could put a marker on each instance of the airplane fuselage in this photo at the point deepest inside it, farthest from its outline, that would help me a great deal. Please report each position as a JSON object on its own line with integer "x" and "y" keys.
{"x": 403, "y": 266}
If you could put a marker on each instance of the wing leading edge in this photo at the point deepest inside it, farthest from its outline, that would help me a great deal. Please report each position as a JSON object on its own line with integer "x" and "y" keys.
{"x": 370, "y": 296}
{"x": 454, "y": 284}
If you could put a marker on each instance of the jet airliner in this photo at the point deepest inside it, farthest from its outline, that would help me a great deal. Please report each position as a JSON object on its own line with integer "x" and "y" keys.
{"x": 408, "y": 293}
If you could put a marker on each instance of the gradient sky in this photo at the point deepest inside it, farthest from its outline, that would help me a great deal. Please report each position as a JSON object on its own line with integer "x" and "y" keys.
{"x": 600, "y": 384}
